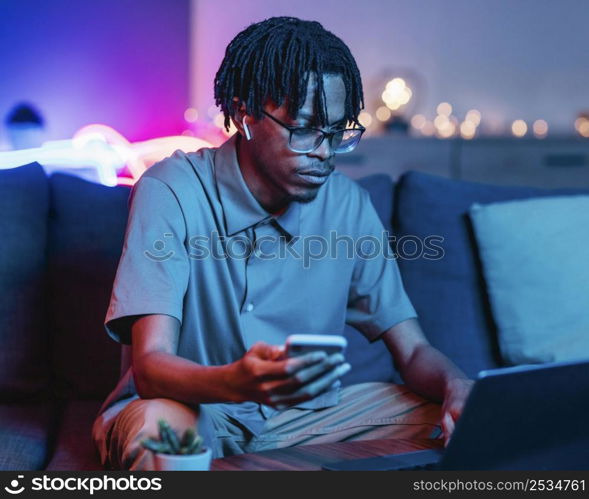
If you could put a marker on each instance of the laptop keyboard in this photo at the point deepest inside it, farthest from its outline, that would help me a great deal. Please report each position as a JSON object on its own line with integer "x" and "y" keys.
{"x": 420, "y": 460}
{"x": 420, "y": 467}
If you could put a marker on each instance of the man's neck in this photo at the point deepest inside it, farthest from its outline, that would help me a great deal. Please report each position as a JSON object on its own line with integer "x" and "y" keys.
{"x": 279, "y": 212}
{"x": 262, "y": 190}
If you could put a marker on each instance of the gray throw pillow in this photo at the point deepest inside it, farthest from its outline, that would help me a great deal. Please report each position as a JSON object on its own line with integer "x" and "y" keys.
{"x": 535, "y": 256}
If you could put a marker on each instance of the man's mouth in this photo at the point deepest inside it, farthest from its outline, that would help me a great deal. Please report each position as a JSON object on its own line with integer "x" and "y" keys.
{"x": 316, "y": 177}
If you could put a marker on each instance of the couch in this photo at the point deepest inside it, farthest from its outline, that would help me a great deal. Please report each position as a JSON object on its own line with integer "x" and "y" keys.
{"x": 61, "y": 240}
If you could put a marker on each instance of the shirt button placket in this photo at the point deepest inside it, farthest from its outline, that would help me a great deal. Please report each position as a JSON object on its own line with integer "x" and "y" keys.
{"x": 252, "y": 271}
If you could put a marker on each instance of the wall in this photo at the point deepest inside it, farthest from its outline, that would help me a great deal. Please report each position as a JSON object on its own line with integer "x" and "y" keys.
{"x": 521, "y": 59}
{"x": 119, "y": 62}
{"x": 548, "y": 163}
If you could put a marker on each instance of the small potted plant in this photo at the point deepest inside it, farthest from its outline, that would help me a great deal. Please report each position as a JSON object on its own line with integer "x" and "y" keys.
{"x": 178, "y": 454}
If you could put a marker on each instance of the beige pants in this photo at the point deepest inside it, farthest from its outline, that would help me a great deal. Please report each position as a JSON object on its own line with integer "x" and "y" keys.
{"x": 366, "y": 411}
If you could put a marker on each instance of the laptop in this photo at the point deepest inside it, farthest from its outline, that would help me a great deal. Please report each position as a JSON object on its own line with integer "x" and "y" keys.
{"x": 530, "y": 417}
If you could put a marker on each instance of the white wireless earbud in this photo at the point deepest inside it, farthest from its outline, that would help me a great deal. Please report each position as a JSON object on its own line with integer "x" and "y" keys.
{"x": 246, "y": 130}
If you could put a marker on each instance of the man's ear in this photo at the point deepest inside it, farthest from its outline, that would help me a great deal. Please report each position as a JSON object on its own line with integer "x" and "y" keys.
{"x": 239, "y": 118}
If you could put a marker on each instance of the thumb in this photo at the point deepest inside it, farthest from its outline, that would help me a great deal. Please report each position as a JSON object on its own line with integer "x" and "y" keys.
{"x": 265, "y": 351}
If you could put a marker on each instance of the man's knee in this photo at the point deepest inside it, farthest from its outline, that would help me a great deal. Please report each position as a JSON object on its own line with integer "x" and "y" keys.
{"x": 138, "y": 421}
{"x": 178, "y": 415}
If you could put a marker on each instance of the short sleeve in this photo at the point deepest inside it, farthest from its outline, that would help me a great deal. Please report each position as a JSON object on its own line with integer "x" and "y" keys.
{"x": 152, "y": 276}
{"x": 377, "y": 299}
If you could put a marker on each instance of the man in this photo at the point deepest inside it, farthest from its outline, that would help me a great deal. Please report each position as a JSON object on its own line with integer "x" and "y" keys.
{"x": 211, "y": 280}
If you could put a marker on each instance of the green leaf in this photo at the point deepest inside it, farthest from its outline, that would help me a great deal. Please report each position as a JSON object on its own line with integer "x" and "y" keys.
{"x": 172, "y": 439}
{"x": 155, "y": 446}
{"x": 188, "y": 438}
{"x": 162, "y": 425}
{"x": 196, "y": 446}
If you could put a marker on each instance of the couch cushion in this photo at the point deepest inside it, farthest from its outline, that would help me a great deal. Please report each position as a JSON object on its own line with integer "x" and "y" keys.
{"x": 372, "y": 361}
{"x": 86, "y": 231}
{"x": 24, "y": 204}
{"x": 26, "y": 434}
{"x": 75, "y": 450}
{"x": 535, "y": 256}
{"x": 448, "y": 293}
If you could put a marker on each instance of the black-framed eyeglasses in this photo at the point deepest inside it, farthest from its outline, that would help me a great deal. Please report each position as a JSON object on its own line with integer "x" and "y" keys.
{"x": 305, "y": 139}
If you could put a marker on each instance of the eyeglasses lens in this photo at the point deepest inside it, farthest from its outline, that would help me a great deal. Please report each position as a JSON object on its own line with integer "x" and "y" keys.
{"x": 305, "y": 140}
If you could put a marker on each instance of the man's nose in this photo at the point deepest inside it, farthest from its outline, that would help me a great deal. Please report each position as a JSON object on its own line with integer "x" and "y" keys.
{"x": 324, "y": 151}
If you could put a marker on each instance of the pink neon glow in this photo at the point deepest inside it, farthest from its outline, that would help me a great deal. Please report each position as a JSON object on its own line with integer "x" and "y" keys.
{"x": 102, "y": 149}
{"x": 137, "y": 156}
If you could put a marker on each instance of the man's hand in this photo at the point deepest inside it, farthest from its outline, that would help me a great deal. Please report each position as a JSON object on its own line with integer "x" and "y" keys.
{"x": 457, "y": 392}
{"x": 428, "y": 372}
{"x": 265, "y": 376}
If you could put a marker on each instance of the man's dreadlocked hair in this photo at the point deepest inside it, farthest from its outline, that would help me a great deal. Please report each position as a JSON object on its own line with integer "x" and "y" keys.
{"x": 274, "y": 58}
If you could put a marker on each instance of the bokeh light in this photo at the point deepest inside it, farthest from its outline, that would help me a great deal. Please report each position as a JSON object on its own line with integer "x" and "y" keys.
{"x": 191, "y": 115}
{"x": 582, "y": 126}
{"x": 447, "y": 131}
{"x": 540, "y": 128}
{"x": 383, "y": 113}
{"x": 418, "y": 121}
{"x": 441, "y": 121}
{"x": 219, "y": 120}
{"x": 396, "y": 94}
{"x": 467, "y": 130}
{"x": 428, "y": 129}
{"x": 474, "y": 117}
{"x": 365, "y": 119}
{"x": 519, "y": 128}
{"x": 444, "y": 108}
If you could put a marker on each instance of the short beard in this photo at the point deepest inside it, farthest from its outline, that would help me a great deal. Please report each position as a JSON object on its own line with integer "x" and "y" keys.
{"x": 305, "y": 198}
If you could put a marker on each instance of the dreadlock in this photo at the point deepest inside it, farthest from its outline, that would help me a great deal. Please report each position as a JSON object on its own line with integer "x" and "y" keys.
{"x": 273, "y": 59}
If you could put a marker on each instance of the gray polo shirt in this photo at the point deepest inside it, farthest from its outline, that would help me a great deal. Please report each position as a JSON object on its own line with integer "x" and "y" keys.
{"x": 200, "y": 248}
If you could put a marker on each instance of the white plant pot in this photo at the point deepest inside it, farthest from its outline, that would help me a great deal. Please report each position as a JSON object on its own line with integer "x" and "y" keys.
{"x": 179, "y": 462}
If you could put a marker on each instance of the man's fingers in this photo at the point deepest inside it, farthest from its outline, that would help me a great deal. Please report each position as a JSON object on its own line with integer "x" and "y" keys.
{"x": 286, "y": 368}
{"x": 296, "y": 364}
{"x": 307, "y": 374}
{"x": 312, "y": 389}
{"x": 448, "y": 427}
{"x": 318, "y": 386}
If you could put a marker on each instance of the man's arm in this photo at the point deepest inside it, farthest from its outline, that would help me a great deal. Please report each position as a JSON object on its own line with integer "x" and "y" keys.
{"x": 159, "y": 372}
{"x": 428, "y": 371}
{"x": 262, "y": 375}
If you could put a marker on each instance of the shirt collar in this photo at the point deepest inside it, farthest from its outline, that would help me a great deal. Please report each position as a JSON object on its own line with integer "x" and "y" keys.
{"x": 240, "y": 207}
